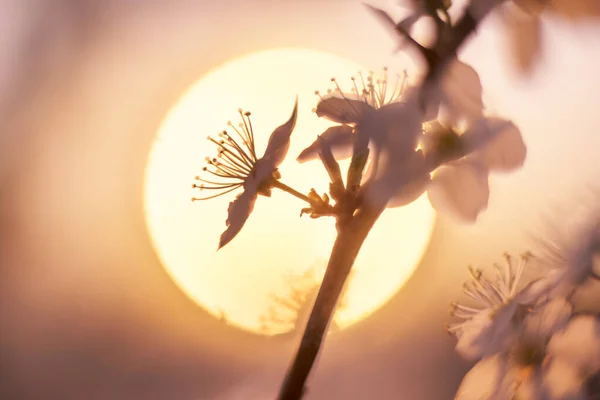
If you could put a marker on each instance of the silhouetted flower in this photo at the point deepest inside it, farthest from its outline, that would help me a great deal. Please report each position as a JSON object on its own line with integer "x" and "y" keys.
{"x": 378, "y": 112}
{"x": 366, "y": 113}
{"x": 493, "y": 326}
{"x": 551, "y": 359}
{"x": 239, "y": 165}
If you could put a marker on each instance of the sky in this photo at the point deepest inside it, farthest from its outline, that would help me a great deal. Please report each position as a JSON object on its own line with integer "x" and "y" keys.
{"x": 87, "y": 309}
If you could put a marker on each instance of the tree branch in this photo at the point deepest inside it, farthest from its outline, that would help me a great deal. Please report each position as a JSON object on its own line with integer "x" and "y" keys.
{"x": 353, "y": 233}
{"x": 345, "y": 250}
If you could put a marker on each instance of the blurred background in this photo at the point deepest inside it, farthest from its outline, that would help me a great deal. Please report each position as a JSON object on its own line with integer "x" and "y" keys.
{"x": 88, "y": 312}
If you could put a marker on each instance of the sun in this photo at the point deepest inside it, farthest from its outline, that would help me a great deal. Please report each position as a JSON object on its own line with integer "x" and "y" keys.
{"x": 250, "y": 282}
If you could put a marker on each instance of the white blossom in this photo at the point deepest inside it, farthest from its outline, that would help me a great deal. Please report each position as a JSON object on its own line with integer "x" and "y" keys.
{"x": 239, "y": 167}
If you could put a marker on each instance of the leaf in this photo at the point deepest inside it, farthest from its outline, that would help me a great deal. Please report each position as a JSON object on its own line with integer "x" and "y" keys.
{"x": 279, "y": 142}
{"x": 343, "y": 109}
{"x": 339, "y": 139}
{"x": 460, "y": 190}
{"x": 237, "y": 214}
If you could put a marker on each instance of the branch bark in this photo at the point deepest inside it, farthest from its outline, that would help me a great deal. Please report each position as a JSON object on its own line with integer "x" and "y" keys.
{"x": 345, "y": 249}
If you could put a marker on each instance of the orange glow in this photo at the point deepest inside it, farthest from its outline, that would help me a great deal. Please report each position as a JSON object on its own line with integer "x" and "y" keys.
{"x": 238, "y": 283}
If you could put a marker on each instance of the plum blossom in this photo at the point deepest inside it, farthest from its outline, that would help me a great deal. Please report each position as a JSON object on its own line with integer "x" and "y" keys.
{"x": 366, "y": 113}
{"x": 239, "y": 167}
{"x": 493, "y": 326}
{"x": 460, "y": 187}
{"x": 553, "y": 356}
{"x": 461, "y": 164}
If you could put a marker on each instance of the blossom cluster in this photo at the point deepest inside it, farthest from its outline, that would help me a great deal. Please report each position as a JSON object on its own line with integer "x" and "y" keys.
{"x": 529, "y": 341}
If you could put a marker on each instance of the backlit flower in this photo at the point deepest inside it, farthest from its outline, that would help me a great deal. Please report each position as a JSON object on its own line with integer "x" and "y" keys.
{"x": 372, "y": 107}
{"x": 551, "y": 358}
{"x": 493, "y": 325}
{"x": 460, "y": 187}
{"x": 237, "y": 166}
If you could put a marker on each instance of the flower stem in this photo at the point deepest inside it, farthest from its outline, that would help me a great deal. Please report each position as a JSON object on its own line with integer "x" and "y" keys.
{"x": 280, "y": 185}
{"x": 345, "y": 249}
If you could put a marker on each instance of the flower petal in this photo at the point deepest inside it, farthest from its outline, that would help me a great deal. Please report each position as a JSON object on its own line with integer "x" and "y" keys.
{"x": 497, "y": 143}
{"x": 545, "y": 321}
{"x": 460, "y": 189}
{"x": 489, "y": 379}
{"x": 562, "y": 381}
{"x": 339, "y": 139}
{"x": 402, "y": 122}
{"x": 540, "y": 288}
{"x": 343, "y": 108}
{"x": 279, "y": 142}
{"x": 396, "y": 181}
{"x": 461, "y": 91}
{"x": 486, "y": 334}
{"x": 238, "y": 212}
{"x": 579, "y": 343}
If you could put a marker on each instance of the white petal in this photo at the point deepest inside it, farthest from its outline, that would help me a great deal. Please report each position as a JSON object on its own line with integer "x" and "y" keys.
{"x": 497, "y": 143}
{"x": 397, "y": 181}
{"x": 489, "y": 379}
{"x": 396, "y": 165}
{"x": 279, "y": 142}
{"x": 579, "y": 343}
{"x": 343, "y": 109}
{"x": 401, "y": 126}
{"x": 545, "y": 321}
{"x": 339, "y": 139}
{"x": 410, "y": 192}
{"x": 462, "y": 91}
{"x": 562, "y": 381}
{"x": 238, "y": 212}
{"x": 506, "y": 151}
{"x": 483, "y": 334}
{"x": 540, "y": 288}
{"x": 460, "y": 190}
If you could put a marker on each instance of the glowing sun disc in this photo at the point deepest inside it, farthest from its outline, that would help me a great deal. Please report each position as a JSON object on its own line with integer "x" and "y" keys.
{"x": 250, "y": 278}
